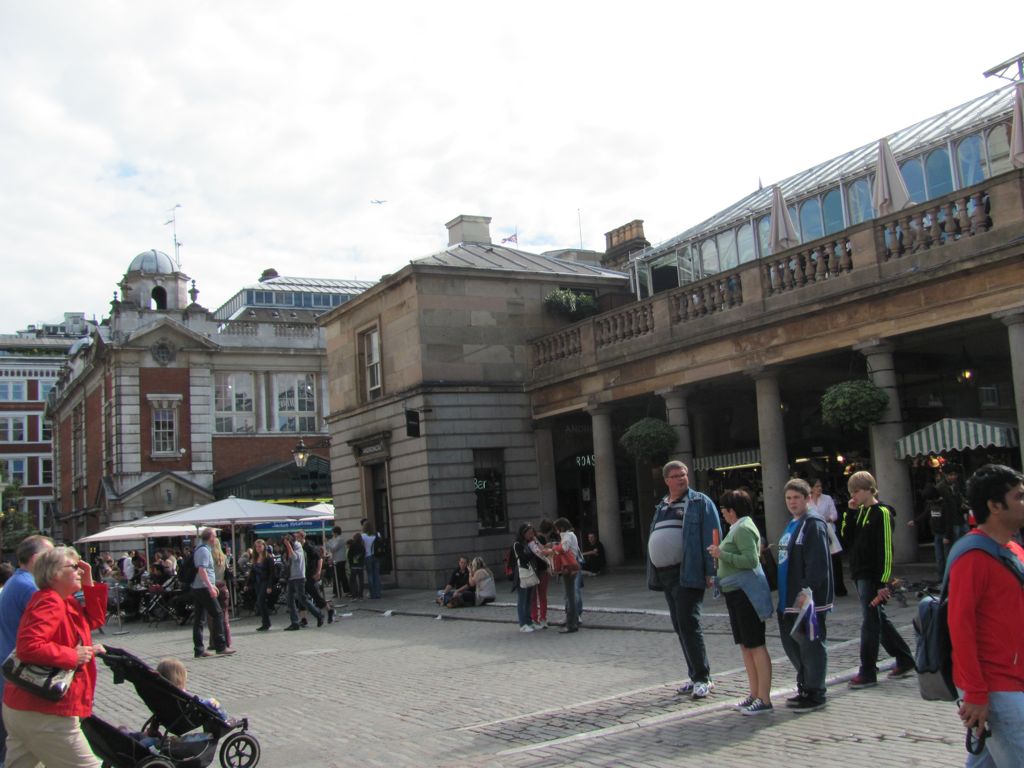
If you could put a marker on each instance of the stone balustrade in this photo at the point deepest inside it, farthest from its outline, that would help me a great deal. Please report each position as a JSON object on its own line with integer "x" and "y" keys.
{"x": 294, "y": 330}
{"x": 812, "y": 262}
{"x": 240, "y": 329}
{"x": 935, "y": 223}
{"x": 624, "y": 324}
{"x": 558, "y": 346}
{"x": 705, "y": 297}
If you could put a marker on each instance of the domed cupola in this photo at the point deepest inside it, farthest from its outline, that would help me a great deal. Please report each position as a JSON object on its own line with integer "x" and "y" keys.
{"x": 153, "y": 281}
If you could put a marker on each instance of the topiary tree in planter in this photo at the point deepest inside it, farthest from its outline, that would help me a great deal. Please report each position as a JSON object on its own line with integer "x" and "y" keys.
{"x": 649, "y": 439}
{"x": 853, "y": 405}
{"x": 571, "y": 304}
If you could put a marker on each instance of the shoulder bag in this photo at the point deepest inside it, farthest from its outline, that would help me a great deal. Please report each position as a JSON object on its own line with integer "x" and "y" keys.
{"x": 50, "y": 683}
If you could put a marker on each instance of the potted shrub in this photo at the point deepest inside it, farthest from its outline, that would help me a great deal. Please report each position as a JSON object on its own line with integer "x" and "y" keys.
{"x": 853, "y": 405}
{"x": 649, "y": 439}
{"x": 571, "y": 304}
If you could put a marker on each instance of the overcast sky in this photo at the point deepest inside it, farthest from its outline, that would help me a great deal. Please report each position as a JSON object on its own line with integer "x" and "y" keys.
{"x": 274, "y": 124}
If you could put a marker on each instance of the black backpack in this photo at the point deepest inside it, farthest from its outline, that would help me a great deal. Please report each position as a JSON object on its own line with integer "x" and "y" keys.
{"x": 933, "y": 657}
{"x": 187, "y": 571}
{"x": 379, "y": 547}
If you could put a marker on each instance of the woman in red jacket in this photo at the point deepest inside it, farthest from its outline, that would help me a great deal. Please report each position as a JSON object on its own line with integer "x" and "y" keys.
{"x": 55, "y": 631}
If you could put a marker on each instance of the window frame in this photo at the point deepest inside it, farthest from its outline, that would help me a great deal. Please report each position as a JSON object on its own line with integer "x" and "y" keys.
{"x": 242, "y": 421}
{"x": 367, "y": 366}
{"x": 7, "y": 431}
{"x": 164, "y": 427}
{"x": 13, "y": 391}
{"x": 296, "y": 420}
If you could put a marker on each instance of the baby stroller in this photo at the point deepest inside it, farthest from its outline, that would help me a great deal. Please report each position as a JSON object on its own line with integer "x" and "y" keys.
{"x": 155, "y": 605}
{"x": 182, "y": 733}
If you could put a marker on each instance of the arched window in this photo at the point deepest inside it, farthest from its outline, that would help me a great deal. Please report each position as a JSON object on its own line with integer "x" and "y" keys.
{"x": 159, "y": 297}
{"x": 999, "y": 150}
{"x": 858, "y": 200}
{"x": 764, "y": 226}
{"x": 832, "y": 212}
{"x": 727, "y": 250}
{"x": 938, "y": 175}
{"x": 709, "y": 257}
{"x": 913, "y": 177}
{"x": 971, "y": 161}
{"x": 745, "y": 243}
{"x": 810, "y": 220}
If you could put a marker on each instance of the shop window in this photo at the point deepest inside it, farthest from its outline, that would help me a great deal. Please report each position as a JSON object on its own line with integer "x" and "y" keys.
{"x": 12, "y": 429}
{"x": 370, "y": 363}
{"x": 745, "y": 243}
{"x": 938, "y": 175}
{"x": 727, "y": 258}
{"x": 858, "y": 201}
{"x": 969, "y": 158}
{"x": 832, "y": 212}
{"x": 489, "y": 484}
{"x": 233, "y": 402}
{"x": 999, "y": 150}
{"x": 296, "y": 402}
{"x": 913, "y": 177}
{"x": 810, "y": 220}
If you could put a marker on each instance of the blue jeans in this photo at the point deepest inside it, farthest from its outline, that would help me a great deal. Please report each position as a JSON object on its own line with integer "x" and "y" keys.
{"x": 876, "y": 626}
{"x": 524, "y": 599}
{"x": 684, "y": 606}
{"x": 1005, "y": 747}
{"x": 809, "y": 657}
{"x": 579, "y": 593}
{"x": 570, "y": 584}
{"x": 372, "y": 567}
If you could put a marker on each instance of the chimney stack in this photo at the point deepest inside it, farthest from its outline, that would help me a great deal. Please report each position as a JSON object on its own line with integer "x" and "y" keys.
{"x": 621, "y": 242}
{"x": 469, "y": 229}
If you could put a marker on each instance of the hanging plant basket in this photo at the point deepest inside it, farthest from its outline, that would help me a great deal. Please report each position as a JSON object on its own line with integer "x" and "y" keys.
{"x": 649, "y": 439}
{"x": 570, "y": 304}
{"x": 853, "y": 405}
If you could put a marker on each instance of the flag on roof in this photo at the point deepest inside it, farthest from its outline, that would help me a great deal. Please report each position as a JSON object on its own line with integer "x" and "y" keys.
{"x": 513, "y": 238}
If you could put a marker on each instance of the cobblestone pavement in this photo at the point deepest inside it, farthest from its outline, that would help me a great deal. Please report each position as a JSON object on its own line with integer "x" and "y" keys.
{"x": 392, "y": 684}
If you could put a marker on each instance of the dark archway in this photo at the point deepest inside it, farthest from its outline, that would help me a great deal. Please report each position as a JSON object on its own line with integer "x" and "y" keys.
{"x": 159, "y": 297}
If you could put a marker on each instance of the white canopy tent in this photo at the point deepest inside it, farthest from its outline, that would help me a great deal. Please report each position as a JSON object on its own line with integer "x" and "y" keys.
{"x": 131, "y": 533}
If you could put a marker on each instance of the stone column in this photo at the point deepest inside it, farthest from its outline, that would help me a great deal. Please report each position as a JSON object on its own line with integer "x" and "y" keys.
{"x": 771, "y": 434}
{"x": 547, "y": 490}
{"x": 679, "y": 419}
{"x": 607, "y": 485}
{"x": 891, "y": 474}
{"x": 1014, "y": 322}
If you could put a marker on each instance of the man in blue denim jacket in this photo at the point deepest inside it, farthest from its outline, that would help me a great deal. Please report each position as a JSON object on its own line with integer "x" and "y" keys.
{"x": 679, "y": 565}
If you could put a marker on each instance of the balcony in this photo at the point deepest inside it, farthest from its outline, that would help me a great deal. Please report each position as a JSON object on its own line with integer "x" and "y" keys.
{"x": 924, "y": 243}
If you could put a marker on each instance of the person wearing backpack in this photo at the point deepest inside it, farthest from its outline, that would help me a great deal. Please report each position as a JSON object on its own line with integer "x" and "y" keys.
{"x": 986, "y": 620}
{"x": 868, "y": 527}
{"x": 373, "y": 546}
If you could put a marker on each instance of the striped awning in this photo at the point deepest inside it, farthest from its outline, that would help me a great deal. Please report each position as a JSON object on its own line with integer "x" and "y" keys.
{"x": 731, "y": 459}
{"x": 957, "y": 435}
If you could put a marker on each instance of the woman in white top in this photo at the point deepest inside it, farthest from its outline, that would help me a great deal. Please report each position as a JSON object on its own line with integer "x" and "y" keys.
{"x": 482, "y": 581}
{"x": 573, "y": 582}
{"x": 825, "y": 506}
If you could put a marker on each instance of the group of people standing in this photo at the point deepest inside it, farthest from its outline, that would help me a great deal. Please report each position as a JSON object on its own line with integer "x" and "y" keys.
{"x": 532, "y": 561}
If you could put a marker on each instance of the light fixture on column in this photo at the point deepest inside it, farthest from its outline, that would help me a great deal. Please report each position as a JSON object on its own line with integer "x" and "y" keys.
{"x": 302, "y": 452}
{"x": 965, "y": 373}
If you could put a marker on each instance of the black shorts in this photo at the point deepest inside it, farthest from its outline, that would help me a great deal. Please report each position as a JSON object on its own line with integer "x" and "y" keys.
{"x": 747, "y": 627}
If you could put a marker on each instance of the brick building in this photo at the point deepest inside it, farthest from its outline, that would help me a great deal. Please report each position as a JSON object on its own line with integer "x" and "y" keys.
{"x": 167, "y": 404}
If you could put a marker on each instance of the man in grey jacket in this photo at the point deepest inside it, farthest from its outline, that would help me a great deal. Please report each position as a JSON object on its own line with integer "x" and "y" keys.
{"x": 684, "y": 526}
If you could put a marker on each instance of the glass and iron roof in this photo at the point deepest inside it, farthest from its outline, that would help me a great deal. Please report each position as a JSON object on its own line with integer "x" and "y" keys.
{"x": 939, "y": 131}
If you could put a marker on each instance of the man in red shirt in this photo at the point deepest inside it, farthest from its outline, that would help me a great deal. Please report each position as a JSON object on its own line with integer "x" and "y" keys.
{"x": 986, "y": 621}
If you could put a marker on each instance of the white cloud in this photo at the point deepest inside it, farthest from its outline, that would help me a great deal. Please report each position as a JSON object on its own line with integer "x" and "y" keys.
{"x": 275, "y": 124}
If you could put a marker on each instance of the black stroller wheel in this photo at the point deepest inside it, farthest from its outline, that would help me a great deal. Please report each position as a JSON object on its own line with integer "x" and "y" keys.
{"x": 239, "y": 750}
{"x": 156, "y": 762}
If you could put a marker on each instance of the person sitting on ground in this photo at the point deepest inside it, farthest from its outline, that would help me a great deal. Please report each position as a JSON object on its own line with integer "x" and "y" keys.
{"x": 593, "y": 554}
{"x": 458, "y": 583}
{"x": 481, "y": 586}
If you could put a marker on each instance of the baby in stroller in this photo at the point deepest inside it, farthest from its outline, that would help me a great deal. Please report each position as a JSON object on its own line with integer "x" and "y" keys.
{"x": 184, "y": 730}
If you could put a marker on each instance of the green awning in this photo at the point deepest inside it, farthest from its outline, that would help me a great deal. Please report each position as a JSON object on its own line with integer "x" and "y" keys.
{"x": 957, "y": 435}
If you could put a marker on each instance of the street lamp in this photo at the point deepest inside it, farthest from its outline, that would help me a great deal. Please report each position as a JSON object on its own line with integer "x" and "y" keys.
{"x": 302, "y": 452}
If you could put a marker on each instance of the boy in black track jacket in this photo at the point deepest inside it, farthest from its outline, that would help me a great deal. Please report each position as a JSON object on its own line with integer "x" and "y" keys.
{"x": 868, "y": 526}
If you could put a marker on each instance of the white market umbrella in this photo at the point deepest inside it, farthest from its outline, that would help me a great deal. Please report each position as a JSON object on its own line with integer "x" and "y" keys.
{"x": 1017, "y": 128}
{"x": 889, "y": 193}
{"x": 130, "y": 533}
{"x": 782, "y": 233}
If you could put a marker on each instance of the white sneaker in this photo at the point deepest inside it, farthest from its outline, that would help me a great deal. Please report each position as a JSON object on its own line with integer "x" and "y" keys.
{"x": 702, "y": 689}
{"x": 537, "y": 626}
{"x": 541, "y": 625}
{"x": 526, "y": 628}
